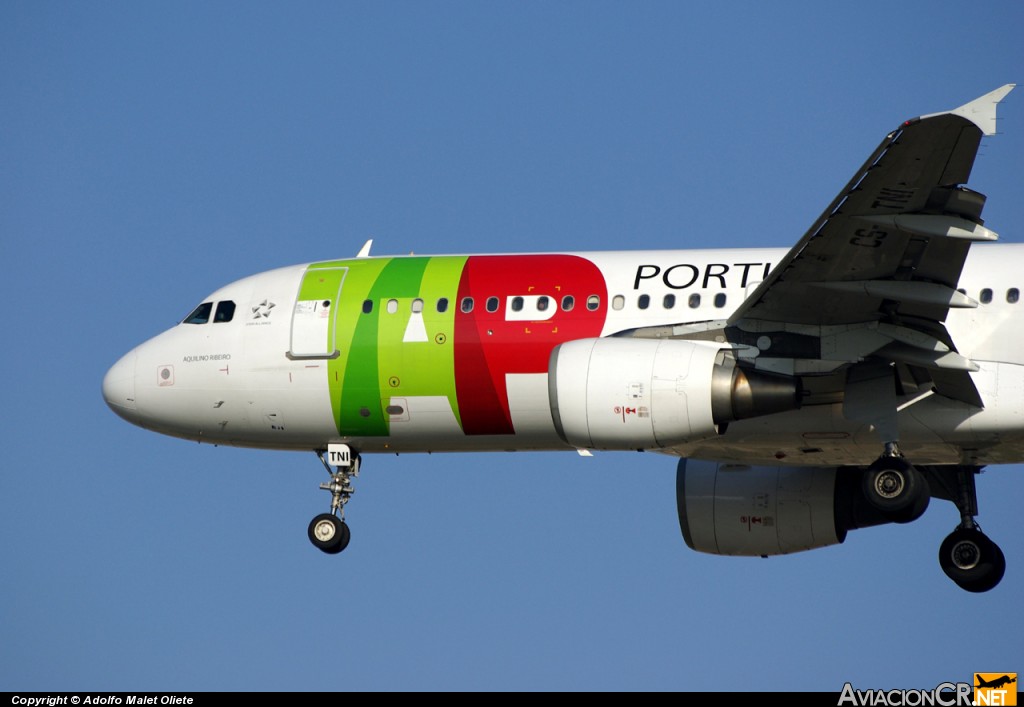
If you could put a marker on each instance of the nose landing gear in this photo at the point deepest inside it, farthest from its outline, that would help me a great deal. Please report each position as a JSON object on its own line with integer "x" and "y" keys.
{"x": 328, "y": 531}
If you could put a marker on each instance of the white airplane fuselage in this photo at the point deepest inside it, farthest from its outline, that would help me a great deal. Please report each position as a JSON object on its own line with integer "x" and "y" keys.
{"x": 240, "y": 383}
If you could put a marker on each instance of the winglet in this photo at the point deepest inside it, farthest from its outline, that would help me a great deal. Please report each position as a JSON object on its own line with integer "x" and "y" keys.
{"x": 980, "y": 111}
{"x": 364, "y": 252}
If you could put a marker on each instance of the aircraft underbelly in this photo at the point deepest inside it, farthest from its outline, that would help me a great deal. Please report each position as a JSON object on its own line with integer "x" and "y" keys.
{"x": 816, "y": 435}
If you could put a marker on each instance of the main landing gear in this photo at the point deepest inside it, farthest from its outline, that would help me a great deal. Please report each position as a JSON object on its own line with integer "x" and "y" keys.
{"x": 896, "y": 488}
{"x": 967, "y": 555}
{"x": 328, "y": 531}
{"x": 900, "y": 492}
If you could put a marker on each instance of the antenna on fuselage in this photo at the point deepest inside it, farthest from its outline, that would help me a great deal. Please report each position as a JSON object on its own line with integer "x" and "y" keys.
{"x": 364, "y": 252}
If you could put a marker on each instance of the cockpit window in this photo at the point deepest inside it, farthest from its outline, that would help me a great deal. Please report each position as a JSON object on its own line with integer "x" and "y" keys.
{"x": 200, "y": 315}
{"x": 225, "y": 311}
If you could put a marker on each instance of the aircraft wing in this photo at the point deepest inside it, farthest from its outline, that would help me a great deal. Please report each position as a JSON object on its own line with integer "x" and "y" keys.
{"x": 888, "y": 251}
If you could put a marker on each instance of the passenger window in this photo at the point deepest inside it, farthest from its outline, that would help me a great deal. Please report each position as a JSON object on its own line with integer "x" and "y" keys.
{"x": 669, "y": 302}
{"x": 392, "y": 306}
{"x": 618, "y": 302}
{"x": 694, "y": 301}
{"x": 492, "y": 304}
{"x": 225, "y": 311}
{"x": 986, "y": 296}
{"x": 417, "y": 306}
{"x": 720, "y": 300}
{"x": 643, "y": 301}
{"x": 1012, "y": 295}
{"x": 593, "y": 303}
{"x": 467, "y": 304}
{"x": 568, "y": 302}
{"x": 200, "y": 315}
{"x": 517, "y": 304}
{"x": 367, "y": 306}
{"x": 442, "y": 305}
{"x": 542, "y": 304}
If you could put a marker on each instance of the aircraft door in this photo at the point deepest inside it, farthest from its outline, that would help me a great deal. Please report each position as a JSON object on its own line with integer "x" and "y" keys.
{"x": 315, "y": 313}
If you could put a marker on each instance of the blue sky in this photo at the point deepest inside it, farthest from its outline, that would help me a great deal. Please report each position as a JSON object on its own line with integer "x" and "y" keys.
{"x": 153, "y": 152}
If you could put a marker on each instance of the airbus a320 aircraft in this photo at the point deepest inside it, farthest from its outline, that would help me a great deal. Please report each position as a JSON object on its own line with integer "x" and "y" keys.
{"x": 837, "y": 385}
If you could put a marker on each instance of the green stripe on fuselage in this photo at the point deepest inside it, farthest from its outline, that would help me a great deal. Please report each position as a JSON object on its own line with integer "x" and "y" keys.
{"x": 362, "y": 406}
{"x": 376, "y": 361}
{"x": 362, "y": 274}
{"x": 416, "y": 351}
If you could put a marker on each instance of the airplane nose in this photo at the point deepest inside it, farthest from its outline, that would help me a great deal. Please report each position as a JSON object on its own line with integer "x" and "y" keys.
{"x": 119, "y": 387}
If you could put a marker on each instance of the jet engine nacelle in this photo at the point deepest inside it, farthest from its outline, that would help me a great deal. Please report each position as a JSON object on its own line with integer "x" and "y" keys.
{"x": 624, "y": 393}
{"x": 734, "y": 509}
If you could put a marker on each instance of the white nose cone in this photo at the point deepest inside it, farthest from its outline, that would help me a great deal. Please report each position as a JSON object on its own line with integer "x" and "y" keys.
{"x": 119, "y": 387}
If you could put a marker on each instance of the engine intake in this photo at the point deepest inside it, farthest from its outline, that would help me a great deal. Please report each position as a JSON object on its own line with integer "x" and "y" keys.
{"x": 644, "y": 394}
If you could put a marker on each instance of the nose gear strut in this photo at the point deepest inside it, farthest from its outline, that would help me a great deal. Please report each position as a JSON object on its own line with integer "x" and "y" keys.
{"x": 328, "y": 531}
{"x": 340, "y": 485}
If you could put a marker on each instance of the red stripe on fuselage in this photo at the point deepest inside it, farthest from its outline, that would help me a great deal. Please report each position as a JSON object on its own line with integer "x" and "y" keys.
{"x": 488, "y": 345}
